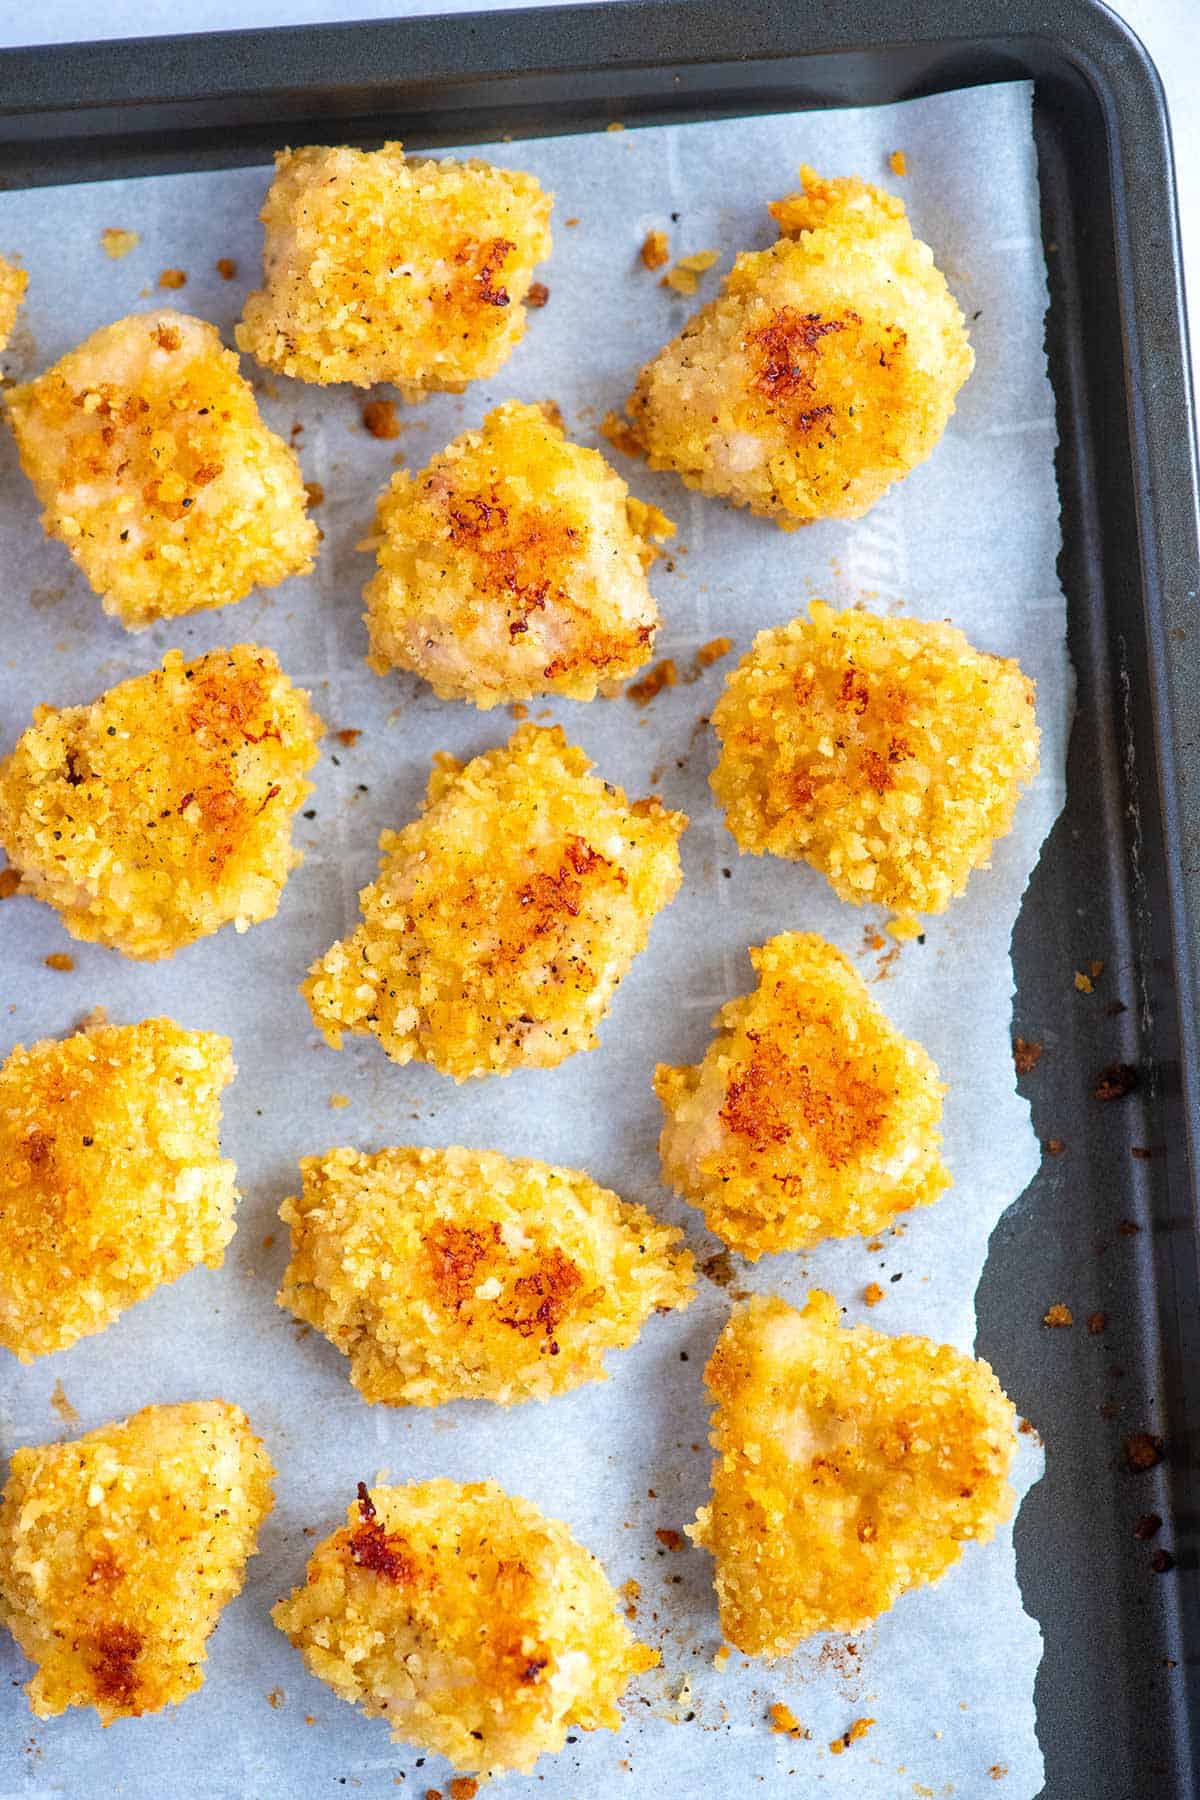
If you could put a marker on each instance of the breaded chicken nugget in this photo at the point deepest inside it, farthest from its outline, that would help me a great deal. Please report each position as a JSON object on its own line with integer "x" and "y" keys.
{"x": 479, "y": 1628}
{"x": 512, "y": 566}
{"x": 463, "y": 1274}
{"x": 810, "y": 1116}
{"x": 824, "y": 372}
{"x": 148, "y": 454}
{"x": 377, "y": 268}
{"x": 13, "y": 282}
{"x": 119, "y": 1549}
{"x": 853, "y": 1466}
{"x": 504, "y": 917}
{"x": 888, "y": 753}
{"x": 111, "y": 1178}
{"x": 163, "y": 810}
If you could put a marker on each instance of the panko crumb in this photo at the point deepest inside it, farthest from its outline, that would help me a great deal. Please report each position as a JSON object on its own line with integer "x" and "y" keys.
{"x": 684, "y": 278}
{"x": 378, "y": 268}
{"x": 655, "y": 251}
{"x": 898, "y": 163}
{"x": 1058, "y": 1316}
{"x": 825, "y": 371}
{"x": 886, "y": 752}
{"x": 783, "y": 1720}
{"x": 153, "y": 466}
{"x": 173, "y": 278}
{"x": 462, "y": 1274}
{"x": 713, "y": 651}
{"x": 664, "y": 674}
{"x": 119, "y": 1549}
{"x": 60, "y": 961}
{"x": 872, "y": 1294}
{"x": 513, "y": 566}
{"x": 852, "y": 1734}
{"x": 379, "y": 418}
{"x": 111, "y": 1177}
{"x": 163, "y": 810}
{"x": 810, "y": 1115}
{"x": 479, "y": 1628}
{"x": 13, "y": 283}
{"x": 852, "y": 1467}
{"x": 117, "y": 243}
{"x": 226, "y": 268}
{"x": 505, "y": 916}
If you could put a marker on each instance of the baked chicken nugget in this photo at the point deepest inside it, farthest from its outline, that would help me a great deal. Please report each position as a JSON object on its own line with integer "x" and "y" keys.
{"x": 852, "y": 1467}
{"x": 824, "y": 372}
{"x": 119, "y": 1549}
{"x": 111, "y": 1178}
{"x": 810, "y": 1116}
{"x": 163, "y": 810}
{"x": 479, "y": 1628}
{"x": 514, "y": 565}
{"x": 888, "y": 753}
{"x": 153, "y": 466}
{"x": 504, "y": 917}
{"x": 13, "y": 282}
{"x": 378, "y": 268}
{"x": 463, "y": 1274}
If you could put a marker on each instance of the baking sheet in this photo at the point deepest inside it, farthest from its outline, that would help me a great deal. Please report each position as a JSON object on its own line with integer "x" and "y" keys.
{"x": 973, "y": 535}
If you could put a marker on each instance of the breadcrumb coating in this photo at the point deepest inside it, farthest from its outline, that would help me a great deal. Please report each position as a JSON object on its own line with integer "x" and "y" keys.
{"x": 163, "y": 810}
{"x": 853, "y": 1466}
{"x": 463, "y": 1274}
{"x": 825, "y": 371}
{"x": 153, "y": 466}
{"x": 111, "y": 1178}
{"x": 13, "y": 282}
{"x": 810, "y": 1115}
{"x": 888, "y": 753}
{"x": 505, "y": 916}
{"x": 119, "y": 1549}
{"x": 511, "y": 566}
{"x": 378, "y": 268}
{"x": 479, "y": 1628}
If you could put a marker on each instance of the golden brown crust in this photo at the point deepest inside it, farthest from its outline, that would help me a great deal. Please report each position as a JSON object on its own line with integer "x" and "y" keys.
{"x": 475, "y": 1625}
{"x": 810, "y": 1115}
{"x": 119, "y": 1549}
{"x": 13, "y": 283}
{"x": 504, "y": 917}
{"x": 111, "y": 1179}
{"x": 512, "y": 566}
{"x": 852, "y": 1467}
{"x": 147, "y": 451}
{"x": 163, "y": 810}
{"x": 462, "y": 1274}
{"x": 381, "y": 268}
{"x": 886, "y": 752}
{"x": 826, "y": 370}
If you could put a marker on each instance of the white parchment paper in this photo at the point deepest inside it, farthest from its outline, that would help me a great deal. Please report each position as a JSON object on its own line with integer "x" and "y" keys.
{"x": 948, "y": 1674}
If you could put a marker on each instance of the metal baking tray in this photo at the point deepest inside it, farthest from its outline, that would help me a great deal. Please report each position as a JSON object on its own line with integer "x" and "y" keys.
{"x": 1110, "y": 1223}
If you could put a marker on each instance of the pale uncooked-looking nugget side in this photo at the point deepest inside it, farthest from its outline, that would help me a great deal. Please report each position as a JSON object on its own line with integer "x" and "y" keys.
{"x": 153, "y": 466}
{"x": 478, "y": 1627}
{"x": 513, "y": 565}
{"x": 380, "y": 267}
{"x": 825, "y": 371}
{"x": 504, "y": 917}
{"x": 852, "y": 1466}
{"x": 119, "y": 1549}
{"x": 163, "y": 810}
{"x": 887, "y": 752}
{"x": 13, "y": 282}
{"x": 810, "y": 1115}
{"x": 463, "y": 1274}
{"x": 111, "y": 1176}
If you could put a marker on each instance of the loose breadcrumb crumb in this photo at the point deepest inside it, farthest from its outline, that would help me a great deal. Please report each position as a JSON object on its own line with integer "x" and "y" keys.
{"x": 153, "y": 466}
{"x": 886, "y": 752}
{"x": 851, "y": 1735}
{"x": 173, "y": 278}
{"x": 479, "y": 1628}
{"x": 664, "y": 674}
{"x": 621, "y": 435}
{"x": 825, "y": 371}
{"x": 119, "y": 1549}
{"x": 513, "y": 565}
{"x": 378, "y": 268}
{"x": 504, "y": 917}
{"x": 1058, "y": 1316}
{"x": 537, "y": 296}
{"x": 226, "y": 268}
{"x": 379, "y": 418}
{"x": 13, "y": 283}
{"x": 655, "y": 252}
{"x": 163, "y": 810}
{"x": 462, "y": 1274}
{"x": 872, "y": 1293}
{"x": 784, "y": 1721}
{"x": 59, "y": 960}
{"x": 684, "y": 278}
{"x": 810, "y": 1115}
{"x": 111, "y": 1178}
{"x": 713, "y": 651}
{"x": 118, "y": 243}
{"x": 852, "y": 1467}
{"x": 898, "y": 163}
